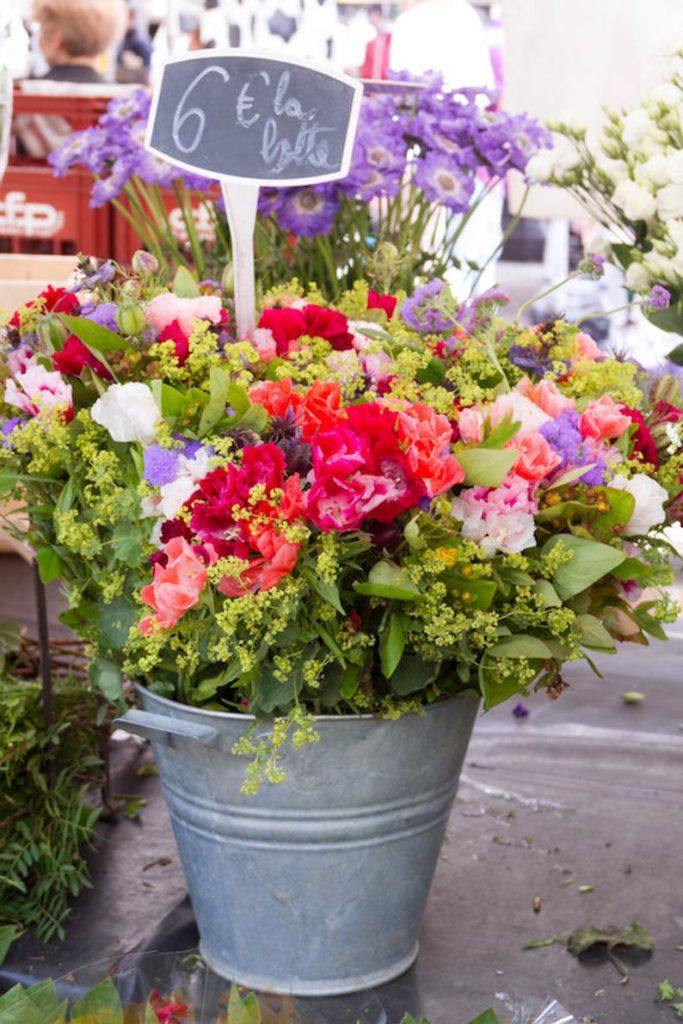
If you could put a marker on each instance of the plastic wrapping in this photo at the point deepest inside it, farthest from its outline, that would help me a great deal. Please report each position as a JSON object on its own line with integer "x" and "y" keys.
{"x": 536, "y": 1012}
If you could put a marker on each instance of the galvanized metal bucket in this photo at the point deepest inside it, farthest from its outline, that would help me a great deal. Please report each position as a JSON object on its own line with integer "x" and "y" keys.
{"x": 315, "y": 886}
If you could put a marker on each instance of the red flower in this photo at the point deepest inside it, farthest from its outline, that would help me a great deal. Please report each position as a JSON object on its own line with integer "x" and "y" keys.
{"x": 278, "y": 558}
{"x": 642, "y": 440}
{"x": 166, "y": 1011}
{"x": 174, "y": 332}
{"x": 277, "y": 397}
{"x": 74, "y": 356}
{"x": 328, "y": 324}
{"x": 385, "y": 302}
{"x": 320, "y": 409}
{"x": 56, "y": 300}
{"x": 285, "y": 324}
{"x": 664, "y": 412}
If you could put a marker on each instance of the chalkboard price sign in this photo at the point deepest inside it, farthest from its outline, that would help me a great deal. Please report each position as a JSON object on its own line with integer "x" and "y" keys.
{"x": 251, "y": 119}
{"x": 254, "y": 118}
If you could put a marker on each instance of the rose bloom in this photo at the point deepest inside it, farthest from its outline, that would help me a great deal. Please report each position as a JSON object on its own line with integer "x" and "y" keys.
{"x": 586, "y": 347}
{"x": 649, "y": 498}
{"x": 177, "y": 585}
{"x": 545, "y": 395}
{"x": 471, "y": 426}
{"x": 603, "y": 420}
{"x": 278, "y": 558}
{"x": 536, "y": 459}
{"x": 163, "y": 309}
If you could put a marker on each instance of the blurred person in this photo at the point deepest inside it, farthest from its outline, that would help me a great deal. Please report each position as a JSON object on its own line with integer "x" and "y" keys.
{"x": 213, "y": 26}
{"x": 445, "y": 36}
{"x": 377, "y": 53}
{"x": 134, "y": 55}
{"x": 75, "y": 36}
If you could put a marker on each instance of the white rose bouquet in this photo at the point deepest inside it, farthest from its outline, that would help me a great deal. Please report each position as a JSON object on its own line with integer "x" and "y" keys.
{"x": 631, "y": 181}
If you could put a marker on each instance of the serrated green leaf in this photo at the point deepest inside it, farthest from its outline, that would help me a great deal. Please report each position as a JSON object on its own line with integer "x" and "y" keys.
{"x": 126, "y": 543}
{"x": 486, "y": 467}
{"x": 115, "y": 620}
{"x": 635, "y": 935}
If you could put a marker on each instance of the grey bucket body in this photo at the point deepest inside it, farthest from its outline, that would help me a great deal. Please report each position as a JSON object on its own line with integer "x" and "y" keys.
{"x": 317, "y": 885}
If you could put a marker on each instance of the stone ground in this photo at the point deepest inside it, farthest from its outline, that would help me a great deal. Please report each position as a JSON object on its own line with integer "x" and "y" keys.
{"x": 584, "y": 792}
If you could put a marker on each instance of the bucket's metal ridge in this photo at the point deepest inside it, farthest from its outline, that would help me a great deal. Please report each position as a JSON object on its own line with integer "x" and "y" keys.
{"x": 317, "y": 885}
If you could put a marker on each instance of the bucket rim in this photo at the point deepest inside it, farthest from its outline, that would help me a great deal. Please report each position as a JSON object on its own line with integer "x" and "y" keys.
{"x": 239, "y": 716}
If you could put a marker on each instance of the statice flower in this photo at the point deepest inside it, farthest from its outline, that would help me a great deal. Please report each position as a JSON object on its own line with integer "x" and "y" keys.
{"x": 564, "y": 437}
{"x": 431, "y": 309}
{"x": 7, "y": 428}
{"x": 104, "y": 314}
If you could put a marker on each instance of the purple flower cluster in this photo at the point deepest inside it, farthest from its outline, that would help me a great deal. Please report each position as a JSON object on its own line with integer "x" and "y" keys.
{"x": 659, "y": 297}
{"x": 478, "y": 312}
{"x": 113, "y": 150}
{"x": 564, "y": 437}
{"x": 430, "y": 310}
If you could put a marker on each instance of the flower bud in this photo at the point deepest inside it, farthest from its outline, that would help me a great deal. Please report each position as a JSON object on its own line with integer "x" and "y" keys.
{"x": 52, "y": 332}
{"x": 144, "y": 263}
{"x": 131, "y": 289}
{"x": 130, "y": 319}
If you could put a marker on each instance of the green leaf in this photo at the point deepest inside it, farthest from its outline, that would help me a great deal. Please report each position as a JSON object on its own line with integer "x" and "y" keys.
{"x": 255, "y": 418}
{"x": 7, "y": 936}
{"x": 633, "y": 569}
{"x": 547, "y": 593}
{"x": 486, "y": 467}
{"x": 10, "y": 639}
{"x": 214, "y": 411}
{"x": 95, "y": 336}
{"x": 238, "y": 398}
{"x": 481, "y": 592}
{"x": 116, "y": 619}
{"x": 676, "y": 355}
{"x": 101, "y": 1003}
{"x": 392, "y": 643}
{"x": 184, "y": 284}
{"x": 635, "y": 936}
{"x": 571, "y": 476}
{"x": 590, "y": 562}
{"x": 592, "y": 634}
{"x": 106, "y": 676}
{"x": 172, "y": 402}
{"x": 501, "y": 433}
{"x": 521, "y": 645}
{"x": 647, "y": 622}
{"x": 413, "y": 674}
{"x": 243, "y": 1009}
{"x": 126, "y": 542}
{"x": 328, "y": 591}
{"x": 487, "y": 1017}
{"x": 49, "y": 564}
{"x": 387, "y": 580}
{"x": 621, "y": 506}
{"x": 540, "y": 943}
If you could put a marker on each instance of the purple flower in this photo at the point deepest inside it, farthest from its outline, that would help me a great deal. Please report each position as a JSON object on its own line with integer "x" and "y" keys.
{"x": 161, "y": 465}
{"x": 90, "y": 275}
{"x": 564, "y": 437}
{"x": 659, "y": 297}
{"x": 520, "y": 711}
{"x": 104, "y": 314}
{"x": 7, "y": 428}
{"x": 431, "y": 309}
{"x": 593, "y": 265}
{"x": 443, "y": 182}
{"x": 308, "y": 211}
{"x": 478, "y": 311}
{"x": 529, "y": 359}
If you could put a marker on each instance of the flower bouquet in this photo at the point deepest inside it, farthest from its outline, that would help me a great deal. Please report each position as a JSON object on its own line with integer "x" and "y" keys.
{"x": 422, "y": 155}
{"x": 631, "y": 181}
{"x": 392, "y": 507}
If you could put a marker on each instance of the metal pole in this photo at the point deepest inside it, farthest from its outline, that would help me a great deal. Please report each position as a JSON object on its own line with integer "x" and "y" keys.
{"x": 44, "y": 648}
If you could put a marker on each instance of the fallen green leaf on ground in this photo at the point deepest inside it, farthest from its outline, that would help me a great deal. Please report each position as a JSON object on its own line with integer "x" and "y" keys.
{"x": 632, "y": 697}
{"x": 633, "y": 936}
{"x": 539, "y": 943}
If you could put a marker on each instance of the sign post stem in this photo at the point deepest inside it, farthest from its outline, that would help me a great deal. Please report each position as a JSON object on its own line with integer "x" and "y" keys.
{"x": 241, "y": 199}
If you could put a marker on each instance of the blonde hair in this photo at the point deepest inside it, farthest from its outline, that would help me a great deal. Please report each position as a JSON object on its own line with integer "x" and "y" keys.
{"x": 87, "y": 27}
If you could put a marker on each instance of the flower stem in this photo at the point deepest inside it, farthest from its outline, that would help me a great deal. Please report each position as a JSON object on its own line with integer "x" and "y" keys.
{"x": 541, "y": 295}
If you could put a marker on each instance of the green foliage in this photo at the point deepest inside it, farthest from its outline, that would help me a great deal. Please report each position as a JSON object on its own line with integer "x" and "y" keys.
{"x": 44, "y": 824}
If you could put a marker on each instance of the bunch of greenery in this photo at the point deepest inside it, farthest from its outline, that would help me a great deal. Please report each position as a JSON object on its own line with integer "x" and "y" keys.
{"x": 46, "y": 777}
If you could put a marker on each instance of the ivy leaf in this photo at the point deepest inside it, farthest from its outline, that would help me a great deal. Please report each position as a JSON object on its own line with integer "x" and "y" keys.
{"x": 591, "y": 560}
{"x": 486, "y": 467}
{"x": 392, "y": 643}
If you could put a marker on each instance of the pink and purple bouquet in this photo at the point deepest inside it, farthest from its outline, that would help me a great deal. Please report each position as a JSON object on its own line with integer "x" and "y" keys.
{"x": 363, "y": 508}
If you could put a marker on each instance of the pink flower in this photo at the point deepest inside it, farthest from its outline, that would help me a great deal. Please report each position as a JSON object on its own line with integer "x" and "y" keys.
{"x": 536, "y": 458}
{"x": 586, "y": 347}
{"x": 518, "y": 409}
{"x": 425, "y": 437}
{"x": 20, "y": 359}
{"x": 338, "y": 453}
{"x": 276, "y": 397}
{"x": 177, "y": 585}
{"x": 335, "y": 504}
{"x": 320, "y": 408}
{"x": 603, "y": 420}
{"x": 500, "y": 518}
{"x": 163, "y": 309}
{"x": 378, "y": 366}
{"x": 546, "y": 396}
{"x": 471, "y": 426}
{"x": 263, "y": 341}
{"x": 36, "y": 389}
{"x": 278, "y": 558}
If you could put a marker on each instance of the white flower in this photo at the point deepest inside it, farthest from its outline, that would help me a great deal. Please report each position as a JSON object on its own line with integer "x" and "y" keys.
{"x": 520, "y": 409}
{"x": 553, "y": 164}
{"x": 616, "y": 170}
{"x": 655, "y": 171}
{"x": 128, "y": 411}
{"x": 635, "y": 201}
{"x": 640, "y": 134}
{"x": 541, "y": 167}
{"x": 509, "y": 533}
{"x": 637, "y": 277}
{"x": 675, "y": 231}
{"x": 674, "y": 166}
{"x": 649, "y": 498}
{"x": 665, "y": 94}
{"x": 670, "y": 201}
{"x": 673, "y": 432}
{"x": 190, "y": 471}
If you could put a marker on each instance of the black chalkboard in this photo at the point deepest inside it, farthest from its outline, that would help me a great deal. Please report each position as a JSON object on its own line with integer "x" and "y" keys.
{"x": 240, "y": 115}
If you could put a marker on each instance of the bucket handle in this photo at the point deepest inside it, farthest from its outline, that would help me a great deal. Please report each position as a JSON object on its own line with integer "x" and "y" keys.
{"x": 163, "y": 729}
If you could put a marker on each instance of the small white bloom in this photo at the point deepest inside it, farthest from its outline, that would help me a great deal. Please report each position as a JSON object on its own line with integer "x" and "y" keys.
{"x": 649, "y": 498}
{"x": 655, "y": 171}
{"x": 637, "y": 277}
{"x": 637, "y": 126}
{"x": 616, "y": 170}
{"x": 541, "y": 167}
{"x": 128, "y": 411}
{"x": 670, "y": 201}
{"x": 675, "y": 231}
{"x": 190, "y": 471}
{"x": 674, "y": 434}
{"x": 674, "y": 165}
{"x": 665, "y": 94}
{"x": 635, "y": 201}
